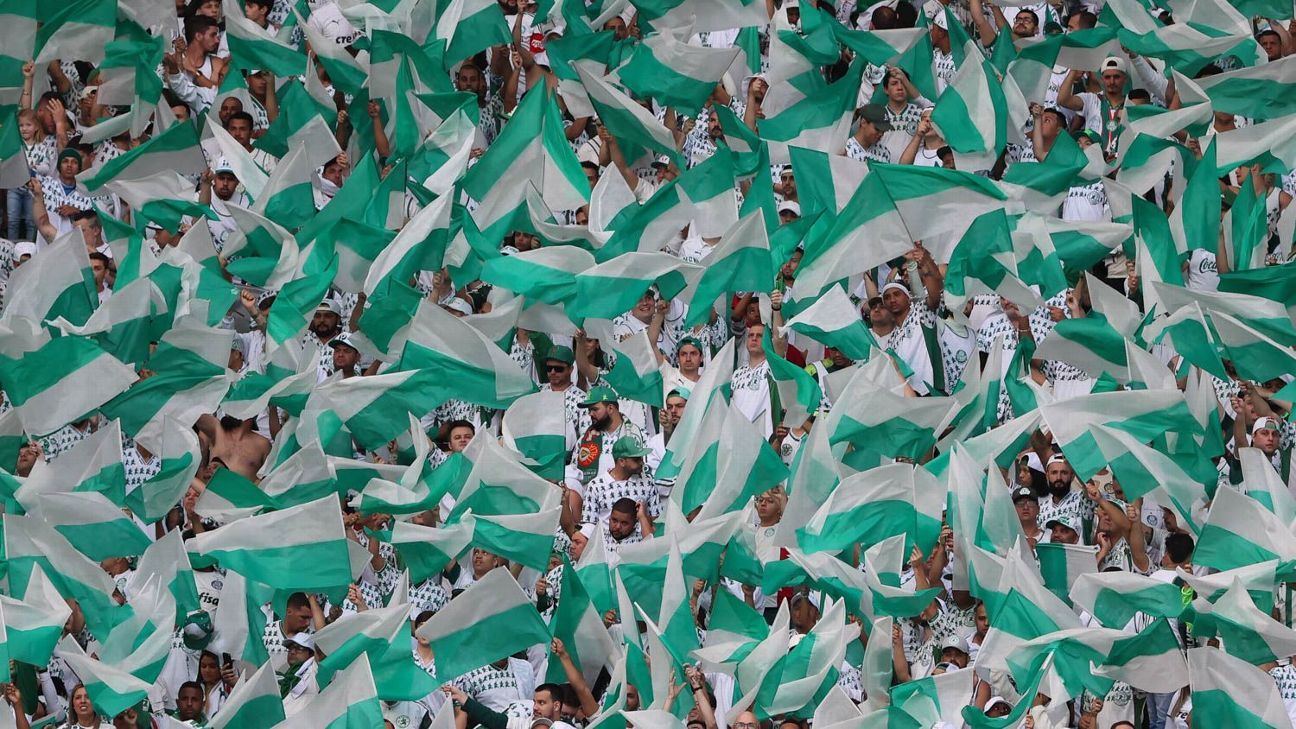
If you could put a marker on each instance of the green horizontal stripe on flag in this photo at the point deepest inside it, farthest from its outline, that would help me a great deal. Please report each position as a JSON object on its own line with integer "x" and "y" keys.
{"x": 256, "y": 53}
{"x": 520, "y": 546}
{"x": 39, "y": 370}
{"x": 501, "y": 634}
{"x": 895, "y": 437}
{"x": 260, "y": 712}
{"x": 422, "y": 559}
{"x": 648, "y": 76}
{"x": 702, "y": 481}
{"x": 386, "y": 416}
{"x": 867, "y": 524}
{"x": 364, "y": 714}
{"x": 1222, "y": 549}
{"x": 457, "y": 378}
{"x": 108, "y": 701}
{"x": 101, "y": 541}
{"x": 34, "y": 646}
{"x": 548, "y": 451}
{"x": 905, "y": 606}
{"x": 298, "y": 567}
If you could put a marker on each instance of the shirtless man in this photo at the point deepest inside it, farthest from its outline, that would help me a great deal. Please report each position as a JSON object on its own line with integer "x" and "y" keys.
{"x": 235, "y": 443}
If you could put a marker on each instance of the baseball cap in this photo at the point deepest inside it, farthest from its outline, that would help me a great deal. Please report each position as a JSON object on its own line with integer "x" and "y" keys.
{"x": 460, "y": 305}
{"x": 330, "y": 305}
{"x": 1023, "y": 492}
{"x": 562, "y": 354}
{"x": 1115, "y": 63}
{"x": 814, "y": 597}
{"x": 1090, "y": 134}
{"x": 342, "y": 340}
{"x": 628, "y": 447}
{"x": 24, "y": 248}
{"x": 223, "y": 166}
{"x": 1066, "y": 520}
{"x": 791, "y": 206}
{"x": 305, "y": 640}
{"x": 690, "y": 340}
{"x": 955, "y": 641}
{"x": 681, "y": 392}
{"x": 894, "y": 286}
{"x": 1264, "y": 423}
{"x": 995, "y": 701}
{"x": 662, "y": 161}
{"x": 876, "y": 114}
{"x": 599, "y": 394}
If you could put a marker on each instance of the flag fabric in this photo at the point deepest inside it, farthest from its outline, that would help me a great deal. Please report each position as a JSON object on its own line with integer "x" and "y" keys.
{"x": 34, "y": 622}
{"x": 254, "y": 702}
{"x": 76, "y": 30}
{"x": 1233, "y": 690}
{"x": 679, "y": 74}
{"x": 495, "y": 620}
{"x": 349, "y": 702}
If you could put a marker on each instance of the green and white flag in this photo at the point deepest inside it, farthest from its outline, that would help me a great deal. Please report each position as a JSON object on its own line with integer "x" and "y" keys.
{"x": 636, "y": 129}
{"x": 93, "y": 464}
{"x": 1150, "y": 661}
{"x": 1144, "y": 414}
{"x": 469, "y": 26}
{"x": 972, "y": 113}
{"x": 111, "y": 689}
{"x": 382, "y": 635}
{"x": 1240, "y": 531}
{"x": 300, "y": 548}
{"x": 165, "y": 561}
{"x": 1062, "y": 564}
{"x": 34, "y": 623}
{"x": 578, "y": 623}
{"x": 175, "y": 149}
{"x": 17, "y": 43}
{"x": 1234, "y": 692}
{"x": 1245, "y": 631}
{"x": 253, "y": 704}
{"x": 94, "y": 525}
{"x": 1114, "y": 598}
{"x": 826, "y": 182}
{"x": 739, "y": 262}
{"x": 252, "y": 48}
{"x": 535, "y": 426}
{"x": 819, "y": 121}
{"x": 870, "y": 415}
{"x": 288, "y": 197}
{"x": 866, "y": 508}
{"x": 239, "y": 622}
{"x": 612, "y": 288}
{"x": 490, "y": 620}
{"x": 546, "y": 274}
{"x": 675, "y": 73}
{"x": 831, "y": 320}
{"x": 180, "y": 456}
{"x": 884, "y": 562}
{"x": 14, "y": 171}
{"x": 80, "y": 29}
{"x": 349, "y": 702}
{"x": 57, "y": 283}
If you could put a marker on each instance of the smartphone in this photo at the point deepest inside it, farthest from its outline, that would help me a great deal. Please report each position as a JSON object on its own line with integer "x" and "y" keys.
{"x": 227, "y": 660}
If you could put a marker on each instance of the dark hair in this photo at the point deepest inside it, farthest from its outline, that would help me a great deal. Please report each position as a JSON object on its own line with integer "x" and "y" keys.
{"x": 625, "y": 506}
{"x": 885, "y": 18}
{"x": 449, "y": 427}
{"x": 1087, "y": 19}
{"x": 1061, "y": 118}
{"x": 240, "y": 115}
{"x": 1179, "y": 547}
{"x": 1268, "y": 31}
{"x": 97, "y": 256}
{"x": 90, "y": 215}
{"x": 424, "y": 615}
{"x": 555, "y": 691}
{"x": 1140, "y": 95}
{"x": 263, "y": 3}
{"x": 298, "y": 600}
{"x": 195, "y": 24}
{"x": 192, "y": 685}
{"x": 1034, "y": 15}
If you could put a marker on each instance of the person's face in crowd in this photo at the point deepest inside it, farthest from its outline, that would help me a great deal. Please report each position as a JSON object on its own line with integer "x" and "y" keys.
{"x": 298, "y": 655}
{"x": 758, "y": 88}
{"x": 1025, "y": 25}
{"x": 789, "y": 183}
{"x": 769, "y": 507}
{"x": 208, "y": 40}
{"x": 999, "y": 709}
{"x": 714, "y": 130}
{"x": 675, "y": 407}
{"x": 646, "y": 304}
{"x": 1063, "y": 534}
{"x": 869, "y": 134}
{"x": 618, "y": 27}
{"x": 666, "y": 173}
{"x": 1083, "y": 142}
{"x": 224, "y": 185}
{"x": 189, "y": 704}
{"x": 296, "y": 619}
{"x": 789, "y": 269}
{"x": 601, "y": 415}
{"x": 470, "y": 80}
{"x": 256, "y": 13}
{"x": 344, "y": 357}
{"x": 228, "y": 107}
{"x": 99, "y": 271}
{"x": 1113, "y": 82}
{"x": 632, "y": 698}
{"x": 525, "y": 241}
{"x": 1272, "y": 46}
{"x": 128, "y": 719}
{"x": 27, "y": 456}
{"x": 91, "y": 231}
{"x": 630, "y": 466}
{"x": 1050, "y": 125}
{"x": 546, "y": 705}
{"x": 459, "y": 438}
{"x": 804, "y": 614}
{"x": 690, "y": 359}
{"x": 1059, "y": 476}
{"x": 955, "y": 656}
{"x": 835, "y": 356}
{"x": 1027, "y": 510}
{"x": 982, "y": 619}
{"x": 1074, "y": 23}
{"x": 81, "y": 706}
{"x": 582, "y": 215}
{"x": 1266, "y": 440}
{"x": 208, "y": 668}
{"x": 557, "y": 373}
{"x": 87, "y": 103}
{"x": 754, "y": 336}
{"x": 69, "y": 167}
{"x": 210, "y": 8}
{"x": 578, "y": 541}
{"x": 896, "y": 302}
{"x": 257, "y": 84}
{"x": 27, "y": 125}
{"x": 591, "y": 175}
{"x": 895, "y": 89}
{"x": 180, "y": 112}
{"x": 746, "y": 720}
{"x": 483, "y": 561}
{"x": 1104, "y": 521}
{"x": 333, "y": 173}
{"x": 939, "y": 36}
{"x": 418, "y": 638}
{"x": 326, "y": 324}
{"x": 241, "y": 131}
{"x": 620, "y": 525}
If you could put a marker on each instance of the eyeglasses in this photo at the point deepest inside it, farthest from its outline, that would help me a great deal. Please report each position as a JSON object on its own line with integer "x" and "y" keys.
{"x": 745, "y": 725}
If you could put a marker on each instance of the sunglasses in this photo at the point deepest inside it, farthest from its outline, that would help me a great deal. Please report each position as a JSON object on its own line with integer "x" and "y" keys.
{"x": 556, "y": 368}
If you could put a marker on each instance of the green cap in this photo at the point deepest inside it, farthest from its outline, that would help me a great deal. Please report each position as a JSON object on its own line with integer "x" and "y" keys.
{"x": 562, "y": 354}
{"x": 598, "y": 395}
{"x": 1091, "y": 134}
{"x": 629, "y": 447}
